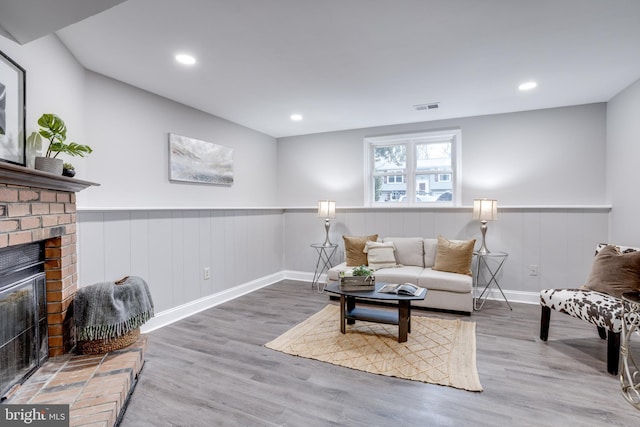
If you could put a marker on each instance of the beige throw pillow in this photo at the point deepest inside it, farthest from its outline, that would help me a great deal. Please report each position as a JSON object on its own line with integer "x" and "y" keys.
{"x": 454, "y": 257}
{"x": 614, "y": 273}
{"x": 354, "y": 249}
{"x": 380, "y": 255}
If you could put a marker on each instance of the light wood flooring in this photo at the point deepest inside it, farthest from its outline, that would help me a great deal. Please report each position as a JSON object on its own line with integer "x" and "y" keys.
{"x": 212, "y": 369}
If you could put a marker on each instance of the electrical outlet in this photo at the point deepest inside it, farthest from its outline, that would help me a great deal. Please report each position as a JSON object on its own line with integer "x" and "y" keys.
{"x": 533, "y": 270}
{"x": 206, "y": 272}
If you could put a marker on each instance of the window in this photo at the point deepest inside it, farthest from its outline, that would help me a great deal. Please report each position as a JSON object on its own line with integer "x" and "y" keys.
{"x": 413, "y": 168}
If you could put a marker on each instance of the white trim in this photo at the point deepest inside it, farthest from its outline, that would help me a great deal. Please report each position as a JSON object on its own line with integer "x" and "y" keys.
{"x": 180, "y": 312}
{"x": 174, "y": 208}
{"x": 315, "y": 208}
{"x": 523, "y": 297}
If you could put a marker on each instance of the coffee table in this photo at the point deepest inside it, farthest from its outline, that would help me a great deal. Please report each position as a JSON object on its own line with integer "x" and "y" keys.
{"x": 350, "y": 313}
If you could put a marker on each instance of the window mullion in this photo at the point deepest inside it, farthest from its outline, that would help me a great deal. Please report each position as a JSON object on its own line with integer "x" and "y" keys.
{"x": 411, "y": 171}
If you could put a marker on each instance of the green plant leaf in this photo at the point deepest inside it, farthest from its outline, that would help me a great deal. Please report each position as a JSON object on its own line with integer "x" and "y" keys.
{"x": 54, "y": 129}
{"x": 35, "y": 141}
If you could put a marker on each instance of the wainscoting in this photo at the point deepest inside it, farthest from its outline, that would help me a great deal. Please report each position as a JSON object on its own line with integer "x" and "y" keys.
{"x": 250, "y": 248}
{"x": 171, "y": 248}
{"x": 561, "y": 241}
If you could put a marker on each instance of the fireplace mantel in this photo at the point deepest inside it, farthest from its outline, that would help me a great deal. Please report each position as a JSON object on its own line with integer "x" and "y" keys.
{"x": 20, "y": 175}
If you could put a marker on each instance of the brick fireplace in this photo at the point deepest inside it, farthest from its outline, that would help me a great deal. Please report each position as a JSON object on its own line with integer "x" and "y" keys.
{"x": 40, "y": 207}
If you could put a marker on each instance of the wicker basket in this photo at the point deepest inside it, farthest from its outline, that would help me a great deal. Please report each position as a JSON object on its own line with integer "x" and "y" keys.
{"x": 105, "y": 346}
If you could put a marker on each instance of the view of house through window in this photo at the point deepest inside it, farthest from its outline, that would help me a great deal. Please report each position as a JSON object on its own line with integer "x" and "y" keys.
{"x": 414, "y": 168}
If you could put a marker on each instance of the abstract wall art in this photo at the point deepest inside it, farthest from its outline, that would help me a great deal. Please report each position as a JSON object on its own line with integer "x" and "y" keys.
{"x": 193, "y": 160}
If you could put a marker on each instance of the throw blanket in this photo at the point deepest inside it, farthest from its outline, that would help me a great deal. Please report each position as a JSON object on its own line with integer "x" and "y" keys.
{"x": 108, "y": 310}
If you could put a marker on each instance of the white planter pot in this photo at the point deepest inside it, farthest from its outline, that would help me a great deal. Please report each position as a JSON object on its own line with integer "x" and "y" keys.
{"x": 47, "y": 164}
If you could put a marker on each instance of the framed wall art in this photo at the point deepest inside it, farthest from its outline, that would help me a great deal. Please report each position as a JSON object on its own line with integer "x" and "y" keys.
{"x": 12, "y": 111}
{"x": 192, "y": 160}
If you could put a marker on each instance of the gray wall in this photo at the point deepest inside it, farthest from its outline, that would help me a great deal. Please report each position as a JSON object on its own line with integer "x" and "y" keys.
{"x": 623, "y": 159}
{"x": 55, "y": 84}
{"x": 545, "y": 167}
{"x": 138, "y": 222}
{"x": 543, "y": 157}
{"x": 170, "y": 249}
{"x": 129, "y": 132}
{"x": 559, "y": 241}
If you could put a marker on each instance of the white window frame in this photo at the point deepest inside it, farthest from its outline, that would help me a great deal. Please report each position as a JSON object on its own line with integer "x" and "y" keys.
{"x": 454, "y": 136}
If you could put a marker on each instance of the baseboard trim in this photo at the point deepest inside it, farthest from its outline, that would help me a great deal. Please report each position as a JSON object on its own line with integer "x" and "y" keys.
{"x": 180, "y": 312}
{"x": 523, "y": 297}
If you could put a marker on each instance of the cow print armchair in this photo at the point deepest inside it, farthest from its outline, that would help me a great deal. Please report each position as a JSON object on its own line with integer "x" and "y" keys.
{"x": 616, "y": 269}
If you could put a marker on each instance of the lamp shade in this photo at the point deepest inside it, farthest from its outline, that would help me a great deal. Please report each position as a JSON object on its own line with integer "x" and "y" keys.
{"x": 485, "y": 209}
{"x": 326, "y": 209}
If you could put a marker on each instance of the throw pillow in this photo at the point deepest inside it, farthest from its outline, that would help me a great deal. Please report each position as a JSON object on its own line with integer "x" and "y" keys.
{"x": 380, "y": 255}
{"x": 614, "y": 273}
{"x": 454, "y": 257}
{"x": 354, "y": 249}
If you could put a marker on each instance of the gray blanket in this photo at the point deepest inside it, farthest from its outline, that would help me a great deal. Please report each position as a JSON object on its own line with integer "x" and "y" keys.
{"x": 108, "y": 310}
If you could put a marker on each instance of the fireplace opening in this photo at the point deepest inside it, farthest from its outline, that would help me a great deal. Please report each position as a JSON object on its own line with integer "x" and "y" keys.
{"x": 23, "y": 314}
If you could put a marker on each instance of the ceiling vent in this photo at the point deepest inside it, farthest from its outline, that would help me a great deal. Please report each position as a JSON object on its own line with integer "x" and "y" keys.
{"x": 430, "y": 106}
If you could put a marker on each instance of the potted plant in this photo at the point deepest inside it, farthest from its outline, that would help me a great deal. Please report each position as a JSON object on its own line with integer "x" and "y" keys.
{"x": 54, "y": 130}
{"x": 68, "y": 170}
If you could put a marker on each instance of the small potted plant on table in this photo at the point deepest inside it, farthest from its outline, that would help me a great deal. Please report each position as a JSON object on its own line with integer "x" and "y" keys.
{"x": 54, "y": 130}
{"x": 358, "y": 279}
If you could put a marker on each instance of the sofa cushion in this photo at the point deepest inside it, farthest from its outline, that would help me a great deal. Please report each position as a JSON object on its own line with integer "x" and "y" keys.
{"x": 454, "y": 257}
{"x": 380, "y": 255}
{"x": 354, "y": 249}
{"x": 430, "y": 249}
{"x": 406, "y": 274}
{"x": 408, "y": 250}
{"x": 614, "y": 272}
{"x": 334, "y": 272}
{"x": 445, "y": 281}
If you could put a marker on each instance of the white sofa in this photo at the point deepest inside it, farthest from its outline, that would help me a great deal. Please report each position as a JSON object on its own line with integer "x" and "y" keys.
{"x": 416, "y": 257}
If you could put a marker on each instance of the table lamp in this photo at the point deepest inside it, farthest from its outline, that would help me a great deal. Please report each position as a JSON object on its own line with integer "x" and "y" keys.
{"x": 485, "y": 210}
{"x": 327, "y": 210}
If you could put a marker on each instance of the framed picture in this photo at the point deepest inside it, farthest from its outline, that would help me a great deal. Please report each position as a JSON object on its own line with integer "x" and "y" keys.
{"x": 192, "y": 160}
{"x": 12, "y": 111}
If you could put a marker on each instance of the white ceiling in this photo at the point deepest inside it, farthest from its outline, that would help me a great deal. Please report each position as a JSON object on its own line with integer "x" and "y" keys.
{"x": 347, "y": 64}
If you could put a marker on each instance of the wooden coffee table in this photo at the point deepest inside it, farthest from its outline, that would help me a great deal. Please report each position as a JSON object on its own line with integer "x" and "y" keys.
{"x": 350, "y": 313}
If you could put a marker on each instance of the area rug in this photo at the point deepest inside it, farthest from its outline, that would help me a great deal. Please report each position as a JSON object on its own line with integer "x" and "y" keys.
{"x": 438, "y": 351}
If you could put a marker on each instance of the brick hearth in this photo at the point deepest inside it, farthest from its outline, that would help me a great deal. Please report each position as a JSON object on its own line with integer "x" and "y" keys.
{"x": 95, "y": 387}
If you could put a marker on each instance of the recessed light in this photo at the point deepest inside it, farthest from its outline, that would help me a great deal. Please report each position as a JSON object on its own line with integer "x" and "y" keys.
{"x": 185, "y": 59}
{"x": 527, "y": 85}
{"x": 296, "y": 117}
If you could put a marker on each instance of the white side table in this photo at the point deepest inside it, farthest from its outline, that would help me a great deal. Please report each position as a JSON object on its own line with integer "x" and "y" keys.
{"x": 629, "y": 370}
{"x": 492, "y": 263}
{"x": 325, "y": 254}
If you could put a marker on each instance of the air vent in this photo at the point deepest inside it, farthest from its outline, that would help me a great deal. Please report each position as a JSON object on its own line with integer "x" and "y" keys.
{"x": 430, "y": 106}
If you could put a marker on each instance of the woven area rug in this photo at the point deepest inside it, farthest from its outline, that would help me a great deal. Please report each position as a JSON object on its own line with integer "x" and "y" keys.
{"x": 438, "y": 351}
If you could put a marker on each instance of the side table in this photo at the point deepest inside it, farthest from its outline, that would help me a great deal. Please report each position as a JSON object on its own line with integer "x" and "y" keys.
{"x": 629, "y": 370}
{"x": 492, "y": 263}
{"x": 323, "y": 264}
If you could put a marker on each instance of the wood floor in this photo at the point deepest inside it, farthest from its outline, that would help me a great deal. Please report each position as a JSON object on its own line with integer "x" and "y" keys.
{"x": 212, "y": 369}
